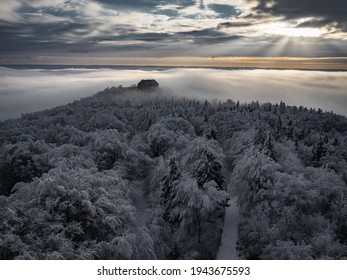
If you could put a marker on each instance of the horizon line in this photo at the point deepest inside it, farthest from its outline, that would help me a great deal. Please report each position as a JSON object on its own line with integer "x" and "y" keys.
{"x": 248, "y": 62}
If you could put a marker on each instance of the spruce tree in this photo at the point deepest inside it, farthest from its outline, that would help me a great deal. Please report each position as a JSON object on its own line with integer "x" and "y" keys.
{"x": 318, "y": 151}
{"x": 210, "y": 168}
{"x": 168, "y": 192}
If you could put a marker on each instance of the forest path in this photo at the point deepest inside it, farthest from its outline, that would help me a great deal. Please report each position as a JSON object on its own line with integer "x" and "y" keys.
{"x": 227, "y": 249}
{"x": 140, "y": 202}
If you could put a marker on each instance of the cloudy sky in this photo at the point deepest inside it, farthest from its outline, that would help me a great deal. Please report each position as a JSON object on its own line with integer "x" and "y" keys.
{"x": 92, "y": 31}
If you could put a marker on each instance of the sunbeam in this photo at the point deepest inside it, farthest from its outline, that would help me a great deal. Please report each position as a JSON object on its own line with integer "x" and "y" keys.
{"x": 277, "y": 47}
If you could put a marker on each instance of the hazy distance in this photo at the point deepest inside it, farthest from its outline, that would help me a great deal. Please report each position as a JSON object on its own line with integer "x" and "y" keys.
{"x": 29, "y": 90}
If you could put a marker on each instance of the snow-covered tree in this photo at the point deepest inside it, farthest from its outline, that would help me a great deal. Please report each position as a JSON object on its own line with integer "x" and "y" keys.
{"x": 169, "y": 190}
{"x": 210, "y": 169}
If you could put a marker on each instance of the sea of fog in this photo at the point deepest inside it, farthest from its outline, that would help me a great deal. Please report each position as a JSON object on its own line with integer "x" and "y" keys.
{"x": 25, "y": 90}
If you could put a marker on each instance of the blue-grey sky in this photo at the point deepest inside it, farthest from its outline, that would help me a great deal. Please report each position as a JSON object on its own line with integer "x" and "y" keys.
{"x": 51, "y": 30}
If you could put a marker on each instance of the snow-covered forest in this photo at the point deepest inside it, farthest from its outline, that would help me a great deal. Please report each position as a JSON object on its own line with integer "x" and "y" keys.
{"x": 127, "y": 174}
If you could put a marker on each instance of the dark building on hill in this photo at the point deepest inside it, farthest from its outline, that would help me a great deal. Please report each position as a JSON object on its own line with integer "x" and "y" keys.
{"x": 147, "y": 84}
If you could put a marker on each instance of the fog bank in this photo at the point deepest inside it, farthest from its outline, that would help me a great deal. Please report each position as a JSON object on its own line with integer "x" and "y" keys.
{"x": 23, "y": 91}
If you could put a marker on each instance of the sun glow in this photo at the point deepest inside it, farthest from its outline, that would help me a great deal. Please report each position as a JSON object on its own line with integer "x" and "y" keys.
{"x": 285, "y": 30}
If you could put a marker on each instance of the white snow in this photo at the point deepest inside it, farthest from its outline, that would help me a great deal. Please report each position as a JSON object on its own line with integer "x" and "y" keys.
{"x": 140, "y": 203}
{"x": 227, "y": 249}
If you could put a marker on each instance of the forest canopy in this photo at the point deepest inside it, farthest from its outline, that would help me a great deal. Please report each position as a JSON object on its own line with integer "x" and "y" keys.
{"x": 132, "y": 175}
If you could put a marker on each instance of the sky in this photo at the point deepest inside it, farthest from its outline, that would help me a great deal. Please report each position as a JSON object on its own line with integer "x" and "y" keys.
{"x": 30, "y": 90}
{"x": 119, "y": 31}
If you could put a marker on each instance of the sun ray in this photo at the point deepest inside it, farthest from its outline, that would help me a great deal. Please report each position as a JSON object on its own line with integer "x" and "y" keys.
{"x": 277, "y": 47}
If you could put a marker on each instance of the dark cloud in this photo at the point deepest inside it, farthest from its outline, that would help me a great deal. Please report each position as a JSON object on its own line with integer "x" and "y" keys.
{"x": 233, "y": 24}
{"x": 322, "y": 10}
{"x": 315, "y": 23}
{"x": 325, "y": 22}
{"x": 207, "y": 36}
{"x": 147, "y": 37}
{"x": 197, "y": 37}
{"x": 38, "y": 37}
{"x": 141, "y": 42}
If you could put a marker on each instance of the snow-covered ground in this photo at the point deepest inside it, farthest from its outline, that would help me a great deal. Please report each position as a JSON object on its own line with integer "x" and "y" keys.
{"x": 140, "y": 203}
{"x": 227, "y": 249}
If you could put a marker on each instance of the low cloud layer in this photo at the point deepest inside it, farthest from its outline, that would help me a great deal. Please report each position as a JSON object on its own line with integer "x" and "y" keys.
{"x": 23, "y": 91}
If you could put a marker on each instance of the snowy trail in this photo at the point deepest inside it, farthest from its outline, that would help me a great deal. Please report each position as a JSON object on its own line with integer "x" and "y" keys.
{"x": 227, "y": 249}
{"x": 140, "y": 203}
